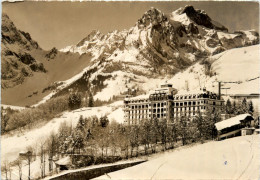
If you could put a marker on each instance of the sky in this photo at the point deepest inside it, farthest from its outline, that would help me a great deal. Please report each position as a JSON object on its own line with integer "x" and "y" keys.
{"x": 59, "y": 24}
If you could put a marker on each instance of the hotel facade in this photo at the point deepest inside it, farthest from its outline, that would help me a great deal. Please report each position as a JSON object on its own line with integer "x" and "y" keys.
{"x": 166, "y": 104}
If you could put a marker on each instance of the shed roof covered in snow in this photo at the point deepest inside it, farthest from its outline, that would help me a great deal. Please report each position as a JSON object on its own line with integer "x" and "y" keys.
{"x": 64, "y": 161}
{"x": 231, "y": 121}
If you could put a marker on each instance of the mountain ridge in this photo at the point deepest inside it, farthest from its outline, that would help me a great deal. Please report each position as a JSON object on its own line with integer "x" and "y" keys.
{"x": 158, "y": 45}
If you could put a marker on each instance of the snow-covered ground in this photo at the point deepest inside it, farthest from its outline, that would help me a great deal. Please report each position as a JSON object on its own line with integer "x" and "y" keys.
{"x": 235, "y": 158}
{"x": 235, "y": 65}
{"x": 12, "y": 107}
{"x": 12, "y": 145}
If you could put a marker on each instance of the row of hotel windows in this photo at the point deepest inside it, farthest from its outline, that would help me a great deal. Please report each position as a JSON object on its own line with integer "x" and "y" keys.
{"x": 189, "y": 108}
{"x": 166, "y": 109}
{"x": 175, "y": 104}
{"x": 146, "y": 116}
{"x": 193, "y": 103}
{"x": 147, "y": 105}
{"x": 154, "y": 110}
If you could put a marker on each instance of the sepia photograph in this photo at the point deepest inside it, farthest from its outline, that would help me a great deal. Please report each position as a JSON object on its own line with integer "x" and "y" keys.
{"x": 130, "y": 90}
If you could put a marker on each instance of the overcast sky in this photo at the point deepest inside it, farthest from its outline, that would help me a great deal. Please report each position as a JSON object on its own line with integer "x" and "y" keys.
{"x": 59, "y": 24}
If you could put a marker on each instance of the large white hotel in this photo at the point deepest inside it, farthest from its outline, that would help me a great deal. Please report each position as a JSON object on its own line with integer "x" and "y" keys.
{"x": 166, "y": 103}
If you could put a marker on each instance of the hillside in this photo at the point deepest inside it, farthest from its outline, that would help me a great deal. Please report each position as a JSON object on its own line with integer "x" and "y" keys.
{"x": 237, "y": 66}
{"x": 235, "y": 158}
{"x": 157, "y": 46}
{"x": 14, "y": 142}
{"x": 30, "y": 73}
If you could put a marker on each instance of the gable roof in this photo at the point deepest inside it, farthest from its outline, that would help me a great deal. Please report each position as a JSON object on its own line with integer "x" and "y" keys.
{"x": 231, "y": 121}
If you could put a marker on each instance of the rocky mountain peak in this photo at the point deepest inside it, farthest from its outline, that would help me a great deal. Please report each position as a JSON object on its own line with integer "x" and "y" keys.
{"x": 200, "y": 17}
{"x": 90, "y": 37}
{"x": 152, "y": 17}
{"x": 11, "y": 35}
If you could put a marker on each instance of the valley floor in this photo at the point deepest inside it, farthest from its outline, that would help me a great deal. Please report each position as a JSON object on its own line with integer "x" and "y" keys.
{"x": 235, "y": 158}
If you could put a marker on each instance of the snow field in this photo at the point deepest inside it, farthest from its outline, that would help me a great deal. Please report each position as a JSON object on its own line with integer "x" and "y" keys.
{"x": 12, "y": 145}
{"x": 235, "y": 158}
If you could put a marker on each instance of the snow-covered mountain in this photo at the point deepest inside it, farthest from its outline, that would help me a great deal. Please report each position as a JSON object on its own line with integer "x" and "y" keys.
{"x": 157, "y": 46}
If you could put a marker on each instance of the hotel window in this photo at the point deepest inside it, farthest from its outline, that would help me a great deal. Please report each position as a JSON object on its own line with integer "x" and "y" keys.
{"x": 180, "y": 104}
{"x": 194, "y": 103}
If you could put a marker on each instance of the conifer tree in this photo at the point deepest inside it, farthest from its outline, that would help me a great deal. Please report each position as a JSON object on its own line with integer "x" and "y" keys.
{"x": 229, "y": 109}
{"x": 90, "y": 100}
{"x": 244, "y": 107}
{"x": 74, "y": 101}
{"x": 250, "y": 107}
{"x": 234, "y": 108}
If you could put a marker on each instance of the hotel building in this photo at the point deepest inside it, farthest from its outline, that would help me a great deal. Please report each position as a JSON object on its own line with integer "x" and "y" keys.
{"x": 166, "y": 103}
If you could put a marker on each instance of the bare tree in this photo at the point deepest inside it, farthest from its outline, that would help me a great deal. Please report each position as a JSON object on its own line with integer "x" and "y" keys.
{"x": 51, "y": 149}
{"x": 28, "y": 157}
{"x": 5, "y": 168}
{"x": 19, "y": 164}
{"x": 42, "y": 154}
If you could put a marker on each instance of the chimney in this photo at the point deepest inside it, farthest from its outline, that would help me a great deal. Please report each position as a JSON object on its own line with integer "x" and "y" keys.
{"x": 219, "y": 90}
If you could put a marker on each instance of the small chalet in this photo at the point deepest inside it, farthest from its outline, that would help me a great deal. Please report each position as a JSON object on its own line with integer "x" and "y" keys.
{"x": 64, "y": 163}
{"x": 232, "y": 127}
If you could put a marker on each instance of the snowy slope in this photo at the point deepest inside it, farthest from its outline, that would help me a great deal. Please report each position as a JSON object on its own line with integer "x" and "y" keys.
{"x": 156, "y": 46}
{"x": 236, "y": 158}
{"x": 19, "y": 108}
{"x": 240, "y": 66}
{"x": 11, "y": 145}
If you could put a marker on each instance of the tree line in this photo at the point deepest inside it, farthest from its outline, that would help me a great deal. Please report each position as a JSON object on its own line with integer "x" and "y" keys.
{"x": 98, "y": 140}
{"x": 27, "y": 118}
{"x": 239, "y": 107}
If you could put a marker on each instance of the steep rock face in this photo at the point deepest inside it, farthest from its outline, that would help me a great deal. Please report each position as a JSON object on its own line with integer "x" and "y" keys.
{"x": 11, "y": 35}
{"x": 201, "y": 18}
{"x": 17, "y": 61}
{"x": 158, "y": 45}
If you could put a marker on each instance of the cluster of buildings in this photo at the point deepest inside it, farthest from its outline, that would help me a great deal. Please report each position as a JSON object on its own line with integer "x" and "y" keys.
{"x": 166, "y": 103}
